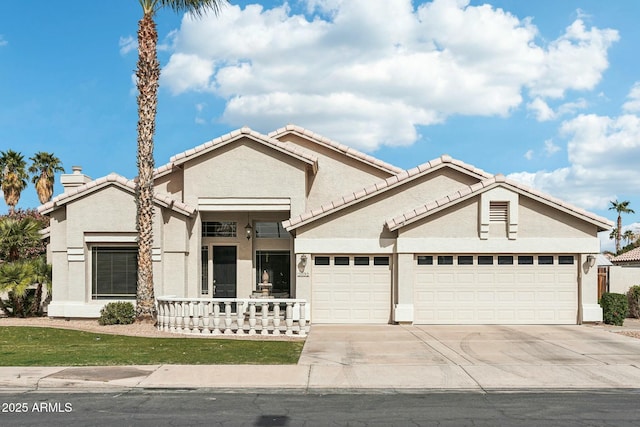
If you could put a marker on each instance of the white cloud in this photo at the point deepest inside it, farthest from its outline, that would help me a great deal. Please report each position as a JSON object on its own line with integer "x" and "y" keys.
{"x": 368, "y": 72}
{"x": 602, "y": 152}
{"x": 633, "y": 103}
{"x": 528, "y": 155}
{"x": 3, "y": 42}
{"x": 550, "y": 148}
{"x": 127, "y": 44}
{"x": 541, "y": 110}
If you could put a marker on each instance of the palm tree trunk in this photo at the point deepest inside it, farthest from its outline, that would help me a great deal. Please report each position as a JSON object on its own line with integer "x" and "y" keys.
{"x": 148, "y": 74}
{"x": 618, "y": 232}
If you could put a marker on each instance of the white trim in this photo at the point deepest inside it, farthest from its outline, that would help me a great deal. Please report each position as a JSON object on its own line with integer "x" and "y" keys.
{"x": 344, "y": 246}
{"x": 117, "y": 238}
{"x": 213, "y": 204}
{"x": 156, "y": 254}
{"x": 503, "y": 245}
{"x": 75, "y": 254}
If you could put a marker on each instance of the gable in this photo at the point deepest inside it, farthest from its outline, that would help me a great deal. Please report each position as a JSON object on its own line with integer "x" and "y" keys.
{"x": 245, "y": 169}
{"x": 454, "y": 172}
{"x": 503, "y": 209}
{"x": 365, "y": 219}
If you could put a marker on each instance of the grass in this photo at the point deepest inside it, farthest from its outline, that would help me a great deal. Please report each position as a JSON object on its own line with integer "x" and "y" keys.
{"x": 35, "y": 346}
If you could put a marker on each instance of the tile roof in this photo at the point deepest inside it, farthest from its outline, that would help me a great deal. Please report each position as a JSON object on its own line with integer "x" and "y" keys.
{"x": 630, "y": 256}
{"x": 336, "y": 146}
{"x": 381, "y": 186}
{"x": 475, "y": 189}
{"x": 112, "y": 179}
{"x": 223, "y": 140}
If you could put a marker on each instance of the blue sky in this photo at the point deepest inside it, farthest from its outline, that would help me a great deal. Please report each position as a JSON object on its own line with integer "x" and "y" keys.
{"x": 545, "y": 91}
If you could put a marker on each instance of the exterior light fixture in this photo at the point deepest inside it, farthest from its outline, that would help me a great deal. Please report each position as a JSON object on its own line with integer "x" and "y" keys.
{"x": 302, "y": 265}
{"x": 591, "y": 259}
{"x": 248, "y": 229}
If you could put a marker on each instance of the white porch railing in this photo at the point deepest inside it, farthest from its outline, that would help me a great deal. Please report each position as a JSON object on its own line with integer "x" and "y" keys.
{"x": 226, "y": 316}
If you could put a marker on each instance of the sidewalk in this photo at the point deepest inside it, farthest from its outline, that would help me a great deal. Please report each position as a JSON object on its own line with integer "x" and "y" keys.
{"x": 387, "y": 358}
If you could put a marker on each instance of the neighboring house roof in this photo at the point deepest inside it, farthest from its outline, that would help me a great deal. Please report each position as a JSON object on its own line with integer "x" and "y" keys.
{"x": 473, "y": 190}
{"x": 631, "y": 256}
{"x": 382, "y": 186}
{"x": 602, "y": 260}
{"x": 118, "y": 181}
{"x": 335, "y": 146}
{"x": 224, "y": 140}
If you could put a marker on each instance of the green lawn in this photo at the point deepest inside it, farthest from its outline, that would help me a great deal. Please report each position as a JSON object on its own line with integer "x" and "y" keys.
{"x": 33, "y": 346}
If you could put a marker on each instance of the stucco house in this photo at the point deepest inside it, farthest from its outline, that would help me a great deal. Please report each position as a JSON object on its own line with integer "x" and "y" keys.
{"x": 360, "y": 240}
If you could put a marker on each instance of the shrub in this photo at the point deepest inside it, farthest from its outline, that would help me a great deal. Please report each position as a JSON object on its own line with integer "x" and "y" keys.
{"x": 615, "y": 308}
{"x": 117, "y": 313}
{"x": 634, "y": 301}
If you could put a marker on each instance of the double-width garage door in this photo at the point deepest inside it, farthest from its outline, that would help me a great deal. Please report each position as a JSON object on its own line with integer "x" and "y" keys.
{"x": 351, "y": 289}
{"x": 495, "y": 289}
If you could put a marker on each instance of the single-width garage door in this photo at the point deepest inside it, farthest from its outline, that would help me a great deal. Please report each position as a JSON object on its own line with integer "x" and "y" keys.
{"x": 495, "y": 289}
{"x": 351, "y": 289}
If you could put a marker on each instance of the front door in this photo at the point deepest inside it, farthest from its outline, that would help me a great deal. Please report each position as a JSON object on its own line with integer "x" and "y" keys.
{"x": 224, "y": 271}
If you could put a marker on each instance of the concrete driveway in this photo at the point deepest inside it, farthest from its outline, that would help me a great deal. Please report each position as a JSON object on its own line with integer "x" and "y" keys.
{"x": 492, "y": 357}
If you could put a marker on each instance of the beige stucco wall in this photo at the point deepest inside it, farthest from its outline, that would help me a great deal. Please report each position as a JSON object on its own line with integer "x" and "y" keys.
{"x": 171, "y": 184}
{"x": 246, "y": 169}
{"x": 540, "y": 220}
{"x": 621, "y": 278}
{"x": 337, "y": 173}
{"x": 366, "y": 219}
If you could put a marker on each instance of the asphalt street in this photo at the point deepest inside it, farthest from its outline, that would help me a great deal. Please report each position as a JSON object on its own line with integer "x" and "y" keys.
{"x": 215, "y": 408}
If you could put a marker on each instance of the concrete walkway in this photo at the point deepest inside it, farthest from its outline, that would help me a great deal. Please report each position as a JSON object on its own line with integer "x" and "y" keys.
{"x": 388, "y": 358}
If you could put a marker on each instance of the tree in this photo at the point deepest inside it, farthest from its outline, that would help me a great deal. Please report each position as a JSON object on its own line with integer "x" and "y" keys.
{"x": 17, "y": 236}
{"x": 43, "y": 168}
{"x": 620, "y": 207}
{"x": 628, "y": 236}
{"x": 148, "y": 74}
{"x": 13, "y": 178}
{"x": 15, "y": 279}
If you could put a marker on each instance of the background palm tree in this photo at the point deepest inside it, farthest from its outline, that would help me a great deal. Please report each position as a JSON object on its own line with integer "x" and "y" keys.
{"x": 628, "y": 236}
{"x": 620, "y": 207}
{"x": 43, "y": 169}
{"x": 14, "y": 177}
{"x": 148, "y": 74}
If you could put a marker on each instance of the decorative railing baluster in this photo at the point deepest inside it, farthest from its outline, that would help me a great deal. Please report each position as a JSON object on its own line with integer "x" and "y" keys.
{"x": 216, "y": 318}
{"x": 265, "y": 319}
{"x": 205, "y": 315}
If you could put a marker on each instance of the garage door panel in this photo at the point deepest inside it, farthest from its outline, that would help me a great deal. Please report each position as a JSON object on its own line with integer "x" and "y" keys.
{"x": 493, "y": 294}
{"x": 351, "y": 293}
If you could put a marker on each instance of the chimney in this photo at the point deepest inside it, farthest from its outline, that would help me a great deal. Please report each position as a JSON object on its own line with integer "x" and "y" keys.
{"x": 75, "y": 179}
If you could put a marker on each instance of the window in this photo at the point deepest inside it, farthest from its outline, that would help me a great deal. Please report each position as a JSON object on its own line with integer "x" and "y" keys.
{"x": 565, "y": 259}
{"x": 545, "y": 259}
{"x": 380, "y": 260}
{"x": 485, "y": 259}
{"x": 271, "y": 230}
{"x": 525, "y": 259}
{"x": 505, "y": 260}
{"x": 425, "y": 260}
{"x": 361, "y": 260}
{"x": 341, "y": 260}
{"x": 277, "y": 264}
{"x": 465, "y": 260}
{"x": 445, "y": 260}
{"x": 114, "y": 272}
{"x": 321, "y": 260}
{"x": 204, "y": 284}
{"x": 219, "y": 229}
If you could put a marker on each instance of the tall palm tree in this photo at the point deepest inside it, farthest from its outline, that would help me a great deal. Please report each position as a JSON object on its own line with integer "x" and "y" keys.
{"x": 148, "y": 74}
{"x": 620, "y": 207}
{"x": 43, "y": 169}
{"x": 13, "y": 178}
